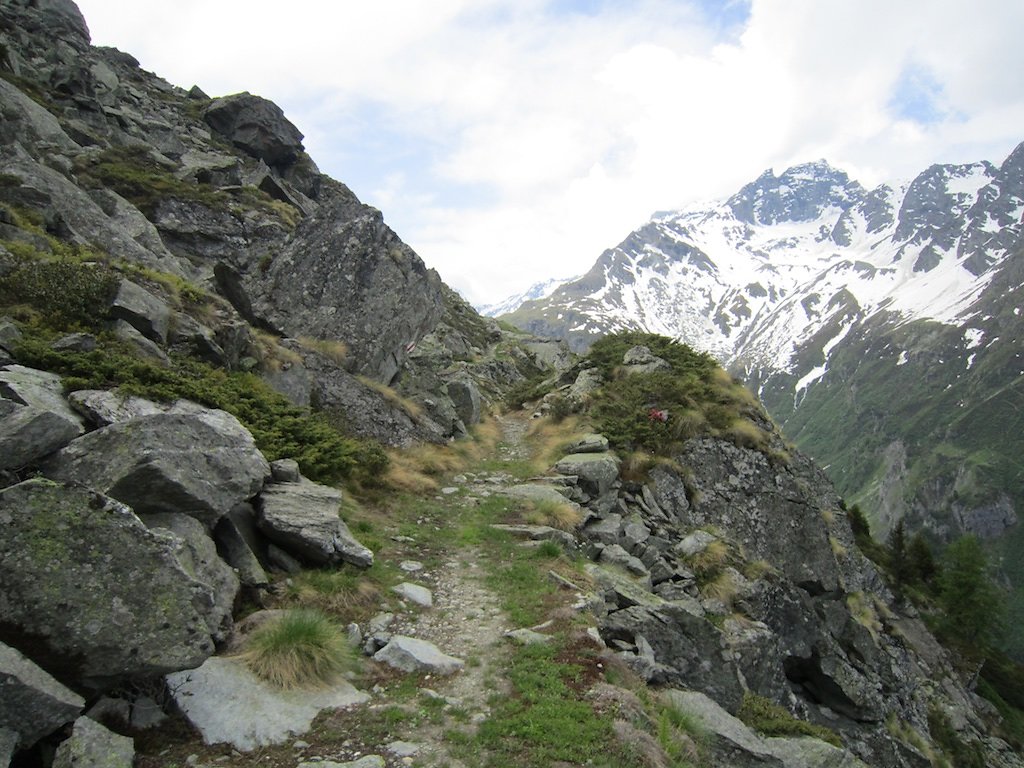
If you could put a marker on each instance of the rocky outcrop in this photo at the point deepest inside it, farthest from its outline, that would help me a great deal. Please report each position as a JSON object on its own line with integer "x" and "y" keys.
{"x": 303, "y": 518}
{"x": 151, "y": 463}
{"x": 256, "y": 126}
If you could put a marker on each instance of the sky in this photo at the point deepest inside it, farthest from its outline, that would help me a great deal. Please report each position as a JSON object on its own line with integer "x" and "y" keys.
{"x": 512, "y": 141}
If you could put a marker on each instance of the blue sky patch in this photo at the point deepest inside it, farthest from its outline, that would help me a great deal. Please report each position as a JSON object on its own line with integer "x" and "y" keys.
{"x": 918, "y": 96}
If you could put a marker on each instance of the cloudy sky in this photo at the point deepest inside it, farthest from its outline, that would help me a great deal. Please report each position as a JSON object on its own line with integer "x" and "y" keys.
{"x": 510, "y": 141}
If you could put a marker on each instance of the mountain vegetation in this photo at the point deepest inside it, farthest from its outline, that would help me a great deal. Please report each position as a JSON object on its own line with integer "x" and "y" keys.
{"x": 271, "y": 492}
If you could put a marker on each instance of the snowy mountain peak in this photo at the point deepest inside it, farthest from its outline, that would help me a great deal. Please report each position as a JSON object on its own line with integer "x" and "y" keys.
{"x": 802, "y": 193}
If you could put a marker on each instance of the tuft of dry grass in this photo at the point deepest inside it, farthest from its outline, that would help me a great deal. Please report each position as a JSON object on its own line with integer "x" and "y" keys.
{"x": 333, "y": 349}
{"x": 412, "y": 409}
{"x": 274, "y": 356}
{"x": 345, "y": 593}
{"x": 547, "y": 439}
{"x": 301, "y": 649}
{"x": 746, "y": 434}
{"x": 709, "y": 562}
{"x": 554, "y": 514}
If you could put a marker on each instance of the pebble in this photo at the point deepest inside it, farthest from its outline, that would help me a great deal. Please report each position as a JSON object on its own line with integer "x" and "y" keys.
{"x": 411, "y": 566}
{"x": 449, "y": 490}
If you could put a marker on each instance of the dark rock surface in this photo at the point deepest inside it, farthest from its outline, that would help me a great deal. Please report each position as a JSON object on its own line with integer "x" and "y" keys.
{"x": 90, "y": 592}
{"x": 152, "y": 463}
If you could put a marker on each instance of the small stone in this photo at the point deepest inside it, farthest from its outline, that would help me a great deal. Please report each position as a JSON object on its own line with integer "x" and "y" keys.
{"x": 414, "y": 593}
{"x": 449, "y": 490}
{"x": 411, "y": 566}
{"x": 403, "y": 748}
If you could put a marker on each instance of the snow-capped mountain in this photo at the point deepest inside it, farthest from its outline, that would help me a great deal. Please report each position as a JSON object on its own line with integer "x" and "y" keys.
{"x": 881, "y": 328}
{"x": 536, "y": 291}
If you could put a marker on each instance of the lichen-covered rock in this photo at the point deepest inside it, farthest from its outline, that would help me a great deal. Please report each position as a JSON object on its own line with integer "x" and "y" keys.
{"x": 101, "y": 596}
{"x": 142, "y": 310}
{"x": 39, "y": 389}
{"x": 200, "y": 463}
{"x": 197, "y": 554}
{"x": 597, "y": 472}
{"x": 32, "y": 703}
{"x": 27, "y": 434}
{"x": 90, "y": 744}
{"x": 303, "y": 518}
{"x": 466, "y": 397}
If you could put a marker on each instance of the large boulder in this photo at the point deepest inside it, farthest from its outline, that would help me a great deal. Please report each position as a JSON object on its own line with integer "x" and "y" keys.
{"x": 93, "y": 594}
{"x": 412, "y": 655}
{"x": 303, "y": 518}
{"x": 466, "y": 398}
{"x": 39, "y": 389}
{"x": 27, "y": 434}
{"x": 597, "y": 472}
{"x": 228, "y": 704}
{"x": 142, "y": 310}
{"x": 32, "y": 703}
{"x": 256, "y": 126}
{"x": 200, "y": 463}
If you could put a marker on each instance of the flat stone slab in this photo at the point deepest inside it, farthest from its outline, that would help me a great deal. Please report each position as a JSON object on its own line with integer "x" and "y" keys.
{"x": 93, "y": 745}
{"x": 367, "y": 761}
{"x": 414, "y": 593}
{"x": 409, "y": 654}
{"x": 228, "y": 704}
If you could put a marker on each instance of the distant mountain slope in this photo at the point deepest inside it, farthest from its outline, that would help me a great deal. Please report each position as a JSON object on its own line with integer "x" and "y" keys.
{"x": 880, "y": 327}
{"x": 536, "y": 291}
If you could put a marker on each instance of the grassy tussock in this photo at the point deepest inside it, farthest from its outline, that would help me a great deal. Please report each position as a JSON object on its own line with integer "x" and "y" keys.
{"x": 711, "y": 561}
{"x": 332, "y": 349}
{"x": 554, "y": 514}
{"x": 772, "y": 720}
{"x": 547, "y": 439}
{"x": 302, "y": 649}
{"x": 347, "y": 594}
{"x": 273, "y": 355}
{"x": 412, "y": 409}
{"x": 862, "y": 609}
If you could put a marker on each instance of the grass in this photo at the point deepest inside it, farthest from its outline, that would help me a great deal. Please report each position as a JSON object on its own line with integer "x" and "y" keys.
{"x": 555, "y": 514}
{"x": 302, "y": 649}
{"x": 411, "y": 408}
{"x": 347, "y": 594}
{"x": 545, "y": 720}
{"x": 770, "y": 719}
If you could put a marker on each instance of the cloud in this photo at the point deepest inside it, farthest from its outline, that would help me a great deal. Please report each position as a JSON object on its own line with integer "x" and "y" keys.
{"x": 511, "y": 141}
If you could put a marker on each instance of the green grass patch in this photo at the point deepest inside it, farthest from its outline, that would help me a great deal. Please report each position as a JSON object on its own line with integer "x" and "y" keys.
{"x": 302, "y": 649}
{"x": 544, "y": 720}
{"x": 771, "y": 719}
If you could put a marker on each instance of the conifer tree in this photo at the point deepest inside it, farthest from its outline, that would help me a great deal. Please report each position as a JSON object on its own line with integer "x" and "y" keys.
{"x": 971, "y": 602}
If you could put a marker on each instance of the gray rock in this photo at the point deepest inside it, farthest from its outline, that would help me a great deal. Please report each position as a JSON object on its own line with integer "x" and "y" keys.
{"x": 75, "y": 342}
{"x": 8, "y": 745}
{"x": 403, "y": 748}
{"x": 285, "y": 471}
{"x": 605, "y": 530}
{"x": 615, "y": 555}
{"x": 40, "y": 389}
{"x": 731, "y": 741}
{"x": 414, "y": 593}
{"x": 93, "y": 745}
{"x": 541, "y": 533}
{"x": 527, "y": 637}
{"x": 806, "y": 752}
{"x": 151, "y": 463}
{"x": 695, "y": 543}
{"x": 592, "y": 443}
{"x": 256, "y": 126}
{"x": 143, "y": 346}
{"x": 198, "y": 556}
{"x": 103, "y": 597}
{"x": 621, "y": 590}
{"x": 32, "y": 704}
{"x": 409, "y": 654}
{"x": 539, "y": 492}
{"x": 466, "y": 398}
{"x": 283, "y": 561}
{"x": 228, "y": 704}
{"x": 239, "y": 554}
{"x": 102, "y": 407}
{"x": 27, "y": 434}
{"x": 10, "y": 333}
{"x": 587, "y": 381}
{"x": 639, "y": 359}
{"x": 366, "y": 761}
{"x": 142, "y": 310}
{"x": 303, "y": 518}
{"x": 597, "y": 472}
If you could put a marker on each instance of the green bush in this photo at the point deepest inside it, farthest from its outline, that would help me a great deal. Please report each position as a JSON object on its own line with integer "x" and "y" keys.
{"x": 658, "y": 411}
{"x": 302, "y": 649}
{"x": 66, "y": 292}
{"x": 772, "y": 720}
{"x": 281, "y": 430}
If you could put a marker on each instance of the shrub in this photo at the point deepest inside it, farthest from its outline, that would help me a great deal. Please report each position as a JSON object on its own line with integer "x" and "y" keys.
{"x": 772, "y": 720}
{"x": 302, "y": 649}
{"x": 66, "y": 292}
